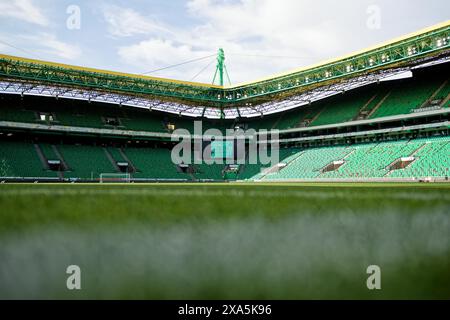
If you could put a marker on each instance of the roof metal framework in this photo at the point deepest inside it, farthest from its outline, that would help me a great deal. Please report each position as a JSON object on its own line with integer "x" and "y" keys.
{"x": 246, "y": 111}
{"x": 283, "y": 92}
{"x": 39, "y": 89}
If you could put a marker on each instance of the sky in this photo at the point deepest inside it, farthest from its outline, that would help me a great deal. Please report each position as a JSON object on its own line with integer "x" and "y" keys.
{"x": 260, "y": 37}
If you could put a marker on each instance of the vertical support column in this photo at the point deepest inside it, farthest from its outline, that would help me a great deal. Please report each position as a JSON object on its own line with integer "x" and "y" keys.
{"x": 220, "y": 66}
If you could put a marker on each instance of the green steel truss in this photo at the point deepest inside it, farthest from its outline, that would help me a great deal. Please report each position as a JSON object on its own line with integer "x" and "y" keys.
{"x": 434, "y": 43}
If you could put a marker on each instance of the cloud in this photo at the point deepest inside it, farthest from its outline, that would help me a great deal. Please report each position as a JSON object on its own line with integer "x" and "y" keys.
{"x": 155, "y": 53}
{"x": 24, "y": 10}
{"x": 4, "y": 48}
{"x": 287, "y": 27}
{"x": 46, "y": 43}
{"x": 260, "y": 37}
{"x": 251, "y": 32}
{"x": 126, "y": 22}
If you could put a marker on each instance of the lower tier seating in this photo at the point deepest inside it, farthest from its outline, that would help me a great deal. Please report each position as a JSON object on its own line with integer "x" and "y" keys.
{"x": 85, "y": 161}
{"x": 416, "y": 158}
{"x": 428, "y": 157}
{"x": 20, "y": 159}
{"x": 153, "y": 163}
{"x": 432, "y": 160}
{"x": 308, "y": 164}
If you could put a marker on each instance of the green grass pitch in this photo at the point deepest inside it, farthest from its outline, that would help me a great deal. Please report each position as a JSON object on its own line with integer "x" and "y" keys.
{"x": 230, "y": 241}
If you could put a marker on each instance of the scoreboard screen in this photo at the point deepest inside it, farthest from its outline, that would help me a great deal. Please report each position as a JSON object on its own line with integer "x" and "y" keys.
{"x": 222, "y": 150}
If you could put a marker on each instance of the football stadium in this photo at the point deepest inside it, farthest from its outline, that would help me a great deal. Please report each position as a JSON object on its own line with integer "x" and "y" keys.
{"x": 289, "y": 187}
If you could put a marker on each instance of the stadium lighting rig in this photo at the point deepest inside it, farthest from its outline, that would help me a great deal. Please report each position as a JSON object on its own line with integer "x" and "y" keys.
{"x": 253, "y": 99}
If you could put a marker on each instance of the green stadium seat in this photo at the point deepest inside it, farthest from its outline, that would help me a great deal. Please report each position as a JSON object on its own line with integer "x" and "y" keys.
{"x": 86, "y": 162}
{"x": 20, "y": 159}
{"x": 370, "y": 160}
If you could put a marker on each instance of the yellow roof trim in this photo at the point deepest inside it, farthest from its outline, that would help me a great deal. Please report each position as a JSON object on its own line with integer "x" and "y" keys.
{"x": 359, "y": 52}
{"x": 115, "y": 73}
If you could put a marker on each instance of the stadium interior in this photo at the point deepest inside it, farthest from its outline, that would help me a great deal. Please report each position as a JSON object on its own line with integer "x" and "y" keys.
{"x": 329, "y": 181}
{"x": 380, "y": 128}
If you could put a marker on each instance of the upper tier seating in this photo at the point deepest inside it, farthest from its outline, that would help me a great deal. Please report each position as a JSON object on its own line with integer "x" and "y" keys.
{"x": 444, "y": 93}
{"x": 407, "y": 96}
{"x": 13, "y": 110}
{"x": 343, "y": 108}
{"x": 387, "y": 98}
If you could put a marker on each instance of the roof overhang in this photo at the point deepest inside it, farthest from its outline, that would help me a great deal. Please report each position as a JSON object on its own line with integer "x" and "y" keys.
{"x": 265, "y": 96}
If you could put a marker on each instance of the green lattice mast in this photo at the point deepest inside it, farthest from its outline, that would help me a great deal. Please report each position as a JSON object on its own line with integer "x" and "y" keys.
{"x": 221, "y": 68}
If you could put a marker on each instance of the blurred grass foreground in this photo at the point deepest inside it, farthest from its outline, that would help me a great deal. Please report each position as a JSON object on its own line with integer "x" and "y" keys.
{"x": 233, "y": 241}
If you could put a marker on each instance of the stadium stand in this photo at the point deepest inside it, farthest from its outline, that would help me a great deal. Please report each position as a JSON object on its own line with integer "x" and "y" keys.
{"x": 267, "y": 122}
{"x": 430, "y": 158}
{"x": 116, "y": 154}
{"x": 308, "y": 164}
{"x": 19, "y": 159}
{"x": 299, "y": 118}
{"x": 407, "y": 96}
{"x": 372, "y": 160}
{"x": 152, "y": 163}
{"x": 86, "y": 162}
{"x": 13, "y": 110}
{"x": 425, "y": 157}
{"x": 344, "y": 108}
{"x": 48, "y": 152}
{"x": 78, "y": 118}
{"x": 373, "y": 101}
{"x": 85, "y": 153}
{"x": 444, "y": 94}
{"x": 251, "y": 170}
{"x": 134, "y": 120}
{"x": 210, "y": 172}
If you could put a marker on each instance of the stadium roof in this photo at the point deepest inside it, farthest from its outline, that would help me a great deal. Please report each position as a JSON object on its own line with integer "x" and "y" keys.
{"x": 264, "y": 96}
